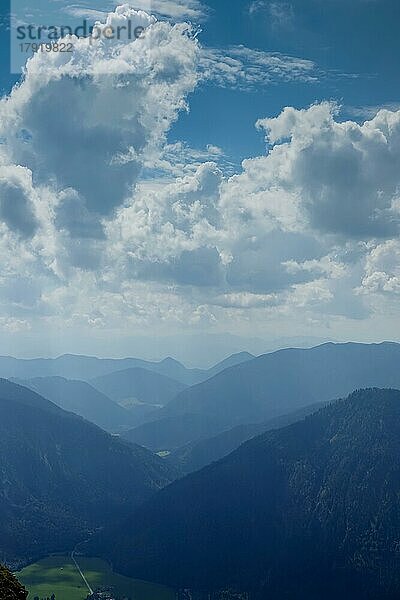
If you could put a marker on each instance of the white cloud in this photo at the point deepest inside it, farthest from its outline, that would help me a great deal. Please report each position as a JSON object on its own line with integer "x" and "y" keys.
{"x": 82, "y": 12}
{"x": 178, "y": 10}
{"x": 382, "y": 271}
{"x": 17, "y": 200}
{"x": 14, "y": 325}
{"x": 347, "y": 174}
{"x": 106, "y": 225}
{"x": 106, "y": 93}
{"x": 281, "y": 15}
{"x": 178, "y": 159}
{"x": 257, "y": 6}
{"x": 277, "y": 16}
{"x": 245, "y": 68}
{"x": 369, "y": 112}
{"x": 157, "y": 227}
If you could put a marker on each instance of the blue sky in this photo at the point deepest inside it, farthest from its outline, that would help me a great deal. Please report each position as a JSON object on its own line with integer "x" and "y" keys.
{"x": 343, "y": 39}
{"x": 355, "y": 45}
{"x": 238, "y": 180}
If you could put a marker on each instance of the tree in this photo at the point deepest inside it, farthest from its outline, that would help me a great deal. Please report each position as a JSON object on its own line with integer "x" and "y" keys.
{"x": 10, "y": 588}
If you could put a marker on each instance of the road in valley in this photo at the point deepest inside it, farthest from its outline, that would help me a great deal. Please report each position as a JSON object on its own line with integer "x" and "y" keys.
{"x": 80, "y": 571}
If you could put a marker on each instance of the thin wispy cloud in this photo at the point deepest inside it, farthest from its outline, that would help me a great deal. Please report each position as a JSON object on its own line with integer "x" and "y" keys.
{"x": 176, "y": 10}
{"x": 192, "y": 10}
{"x": 369, "y": 112}
{"x": 241, "y": 67}
{"x": 82, "y": 12}
{"x": 280, "y": 14}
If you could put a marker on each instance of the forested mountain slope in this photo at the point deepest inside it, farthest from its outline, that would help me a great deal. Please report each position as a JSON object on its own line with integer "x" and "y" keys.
{"x": 61, "y": 476}
{"x": 310, "y": 511}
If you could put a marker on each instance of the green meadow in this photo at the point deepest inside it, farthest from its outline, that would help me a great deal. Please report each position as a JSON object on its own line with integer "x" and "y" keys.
{"x": 58, "y": 575}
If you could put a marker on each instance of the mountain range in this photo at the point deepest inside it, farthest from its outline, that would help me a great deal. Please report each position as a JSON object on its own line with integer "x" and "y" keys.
{"x": 85, "y": 368}
{"x": 273, "y": 385}
{"x": 170, "y": 433}
{"x": 82, "y": 399}
{"x": 288, "y": 492}
{"x": 200, "y": 453}
{"x": 276, "y": 383}
{"x": 309, "y": 511}
{"x": 62, "y": 477}
{"x": 138, "y": 386}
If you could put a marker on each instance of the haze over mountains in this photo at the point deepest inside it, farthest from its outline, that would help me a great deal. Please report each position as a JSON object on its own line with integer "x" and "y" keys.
{"x": 116, "y": 400}
{"x": 62, "y": 477}
{"x": 200, "y": 453}
{"x": 163, "y": 413}
{"x": 139, "y": 385}
{"x": 82, "y": 399}
{"x": 318, "y": 496}
{"x": 86, "y": 368}
{"x": 273, "y": 385}
{"x": 308, "y": 511}
{"x": 170, "y": 433}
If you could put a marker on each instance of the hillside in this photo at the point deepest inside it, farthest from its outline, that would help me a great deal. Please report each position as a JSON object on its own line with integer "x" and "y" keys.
{"x": 140, "y": 385}
{"x": 309, "y": 511}
{"x": 82, "y": 399}
{"x": 10, "y": 588}
{"x": 231, "y": 361}
{"x": 61, "y": 476}
{"x": 203, "y": 452}
{"x": 171, "y": 433}
{"x": 278, "y": 383}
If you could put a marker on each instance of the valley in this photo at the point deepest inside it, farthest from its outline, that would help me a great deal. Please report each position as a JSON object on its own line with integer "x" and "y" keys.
{"x": 58, "y": 575}
{"x": 240, "y": 471}
{"x": 200, "y": 300}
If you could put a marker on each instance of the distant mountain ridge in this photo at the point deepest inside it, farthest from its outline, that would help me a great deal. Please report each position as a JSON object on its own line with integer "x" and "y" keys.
{"x": 85, "y": 368}
{"x": 233, "y": 360}
{"x": 62, "y": 477}
{"x": 82, "y": 399}
{"x": 309, "y": 511}
{"x": 200, "y": 453}
{"x": 141, "y": 384}
{"x": 277, "y": 383}
{"x": 172, "y": 432}
{"x": 273, "y": 385}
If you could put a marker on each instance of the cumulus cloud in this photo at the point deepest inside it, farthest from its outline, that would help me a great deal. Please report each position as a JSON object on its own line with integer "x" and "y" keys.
{"x": 104, "y": 224}
{"x": 382, "y": 271}
{"x": 17, "y": 203}
{"x": 90, "y": 118}
{"x": 292, "y": 229}
{"x": 346, "y": 174}
{"x": 166, "y": 226}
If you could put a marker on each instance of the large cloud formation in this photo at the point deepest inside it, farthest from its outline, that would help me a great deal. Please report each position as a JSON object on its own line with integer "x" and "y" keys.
{"x": 100, "y": 228}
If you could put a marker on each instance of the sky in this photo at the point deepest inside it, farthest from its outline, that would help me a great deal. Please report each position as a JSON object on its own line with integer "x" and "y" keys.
{"x": 229, "y": 181}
